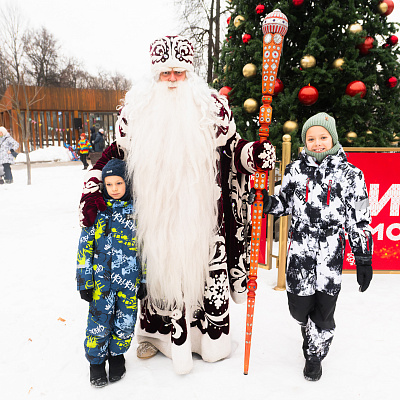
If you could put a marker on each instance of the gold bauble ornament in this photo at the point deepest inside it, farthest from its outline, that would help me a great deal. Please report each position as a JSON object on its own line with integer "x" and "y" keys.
{"x": 395, "y": 138}
{"x": 368, "y": 132}
{"x": 308, "y": 61}
{"x": 338, "y": 64}
{"x": 355, "y": 28}
{"x": 249, "y": 70}
{"x": 382, "y": 8}
{"x": 226, "y": 68}
{"x": 216, "y": 80}
{"x": 250, "y": 105}
{"x": 350, "y": 136}
{"x": 238, "y": 20}
{"x": 290, "y": 126}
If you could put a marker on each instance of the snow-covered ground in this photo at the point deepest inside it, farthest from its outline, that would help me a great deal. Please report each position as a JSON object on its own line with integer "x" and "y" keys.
{"x": 43, "y": 320}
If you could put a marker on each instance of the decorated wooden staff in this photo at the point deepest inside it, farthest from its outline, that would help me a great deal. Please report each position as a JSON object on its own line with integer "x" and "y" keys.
{"x": 274, "y": 28}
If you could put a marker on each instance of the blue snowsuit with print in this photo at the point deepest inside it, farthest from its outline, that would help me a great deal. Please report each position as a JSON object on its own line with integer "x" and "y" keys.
{"x": 108, "y": 263}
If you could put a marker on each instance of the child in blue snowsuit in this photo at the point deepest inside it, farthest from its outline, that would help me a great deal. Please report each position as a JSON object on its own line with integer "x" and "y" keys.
{"x": 108, "y": 277}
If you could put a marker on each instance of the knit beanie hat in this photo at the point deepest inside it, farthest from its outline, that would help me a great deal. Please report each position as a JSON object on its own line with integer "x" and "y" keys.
{"x": 116, "y": 167}
{"x": 327, "y": 122}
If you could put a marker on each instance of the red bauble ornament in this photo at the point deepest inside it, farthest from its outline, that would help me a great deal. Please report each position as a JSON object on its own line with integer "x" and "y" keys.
{"x": 297, "y": 3}
{"x": 308, "y": 95}
{"x": 390, "y": 5}
{"x": 246, "y": 38}
{"x": 228, "y": 21}
{"x": 385, "y": 45}
{"x": 356, "y": 87}
{"x": 391, "y": 82}
{"x": 224, "y": 91}
{"x": 260, "y": 9}
{"x": 278, "y": 86}
{"x": 392, "y": 40}
{"x": 366, "y": 46}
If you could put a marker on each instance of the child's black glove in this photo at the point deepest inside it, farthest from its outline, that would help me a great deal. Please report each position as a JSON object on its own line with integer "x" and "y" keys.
{"x": 364, "y": 273}
{"x": 142, "y": 291}
{"x": 266, "y": 199}
{"x": 87, "y": 295}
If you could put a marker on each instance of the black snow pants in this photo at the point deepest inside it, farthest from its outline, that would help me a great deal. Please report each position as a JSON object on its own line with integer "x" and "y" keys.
{"x": 315, "y": 314}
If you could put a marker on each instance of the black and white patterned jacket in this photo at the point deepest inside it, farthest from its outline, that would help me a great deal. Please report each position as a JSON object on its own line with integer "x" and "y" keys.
{"x": 327, "y": 198}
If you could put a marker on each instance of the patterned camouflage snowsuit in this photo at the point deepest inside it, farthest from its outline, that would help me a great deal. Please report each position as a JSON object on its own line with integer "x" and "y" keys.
{"x": 107, "y": 262}
{"x": 325, "y": 201}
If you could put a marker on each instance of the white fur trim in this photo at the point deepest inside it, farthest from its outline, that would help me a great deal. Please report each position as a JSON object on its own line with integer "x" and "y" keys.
{"x": 93, "y": 173}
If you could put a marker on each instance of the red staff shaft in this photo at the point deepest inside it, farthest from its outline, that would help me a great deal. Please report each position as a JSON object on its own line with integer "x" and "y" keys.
{"x": 274, "y": 28}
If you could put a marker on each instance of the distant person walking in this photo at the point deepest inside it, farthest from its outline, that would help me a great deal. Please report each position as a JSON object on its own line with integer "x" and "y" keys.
{"x": 92, "y": 135}
{"x": 99, "y": 145}
{"x": 7, "y": 154}
{"x": 84, "y": 147}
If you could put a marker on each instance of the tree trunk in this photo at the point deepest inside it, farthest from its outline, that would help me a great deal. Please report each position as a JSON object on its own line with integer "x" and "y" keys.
{"x": 210, "y": 45}
{"x": 217, "y": 31}
{"x": 26, "y": 134}
{"x": 28, "y": 163}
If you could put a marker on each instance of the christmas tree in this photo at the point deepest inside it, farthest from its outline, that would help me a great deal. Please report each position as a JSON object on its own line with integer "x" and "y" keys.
{"x": 338, "y": 57}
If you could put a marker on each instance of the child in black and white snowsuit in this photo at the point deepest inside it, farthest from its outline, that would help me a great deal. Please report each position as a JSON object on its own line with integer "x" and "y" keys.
{"x": 108, "y": 276}
{"x": 326, "y": 196}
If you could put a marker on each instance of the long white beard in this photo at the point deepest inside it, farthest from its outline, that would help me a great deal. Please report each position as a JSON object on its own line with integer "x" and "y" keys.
{"x": 172, "y": 162}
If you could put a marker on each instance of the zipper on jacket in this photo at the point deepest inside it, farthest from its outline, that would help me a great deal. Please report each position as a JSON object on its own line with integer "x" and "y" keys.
{"x": 329, "y": 192}
{"x": 308, "y": 181}
{"x": 290, "y": 242}
{"x": 366, "y": 237}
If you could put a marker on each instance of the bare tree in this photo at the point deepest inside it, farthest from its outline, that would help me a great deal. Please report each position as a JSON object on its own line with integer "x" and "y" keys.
{"x": 201, "y": 21}
{"x": 18, "y": 97}
{"x": 11, "y": 32}
{"x": 120, "y": 82}
{"x": 12, "y": 38}
{"x": 4, "y": 73}
{"x": 72, "y": 74}
{"x": 41, "y": 49}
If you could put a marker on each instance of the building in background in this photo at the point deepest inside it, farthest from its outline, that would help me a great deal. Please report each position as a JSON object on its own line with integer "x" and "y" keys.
{"x": 57, "y": 115}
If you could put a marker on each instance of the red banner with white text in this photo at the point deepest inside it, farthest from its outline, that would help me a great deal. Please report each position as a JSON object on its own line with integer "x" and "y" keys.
{"x": 383, "y": 185}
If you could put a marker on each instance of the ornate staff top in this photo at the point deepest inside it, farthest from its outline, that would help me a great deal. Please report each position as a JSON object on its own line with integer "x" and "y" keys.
{"x": 275, "y": 22}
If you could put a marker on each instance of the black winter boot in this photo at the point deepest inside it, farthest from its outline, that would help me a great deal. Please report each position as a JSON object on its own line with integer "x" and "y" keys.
{"x": 98, "y": 376}
{"x": 116, "y": 367}
{"x": 313, "y": 369}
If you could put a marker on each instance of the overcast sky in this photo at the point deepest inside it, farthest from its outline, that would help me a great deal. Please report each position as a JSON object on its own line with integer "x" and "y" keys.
{"x": 113, "y": 35}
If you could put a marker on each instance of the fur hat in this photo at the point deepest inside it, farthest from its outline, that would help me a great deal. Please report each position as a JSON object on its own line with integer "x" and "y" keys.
{"x": 171, "y": 52}
{"x": 324, "y": 120}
